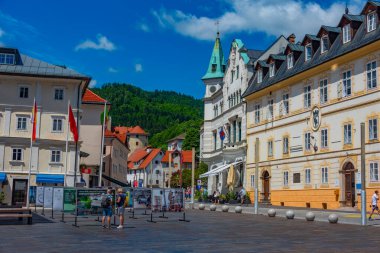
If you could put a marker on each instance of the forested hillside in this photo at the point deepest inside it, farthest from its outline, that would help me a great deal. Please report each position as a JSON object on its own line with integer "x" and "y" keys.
{"x": 163, "y": 114}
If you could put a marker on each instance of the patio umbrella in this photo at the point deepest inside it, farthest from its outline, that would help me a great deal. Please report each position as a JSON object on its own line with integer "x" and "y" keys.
{"x": 231, "y": 177}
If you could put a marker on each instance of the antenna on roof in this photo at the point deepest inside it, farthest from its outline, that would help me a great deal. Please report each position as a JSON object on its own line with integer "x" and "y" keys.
{"x": 346, "y": 10}
{"x": 217, "y": 29}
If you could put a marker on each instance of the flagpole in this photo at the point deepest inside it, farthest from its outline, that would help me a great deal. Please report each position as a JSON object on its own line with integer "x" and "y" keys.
{"x": 30, "y": 155}
{"x": 102, "y": 146}
{"x": 67, "y": 142}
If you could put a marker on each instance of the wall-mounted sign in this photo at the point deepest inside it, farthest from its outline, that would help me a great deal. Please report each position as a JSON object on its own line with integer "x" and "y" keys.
{"x": 315, "y": 118}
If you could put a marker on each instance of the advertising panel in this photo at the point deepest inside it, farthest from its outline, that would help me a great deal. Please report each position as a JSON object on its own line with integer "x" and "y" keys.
{"x": 58, "y": 199}
{"x": 48, "y": 197}
{"x": 69, "y": 199}
{"x": 141, "y": 198}
{"x": 40, "y": 196}
{"x": 32, "y": 194}
{"x": 174, "y": 200}
{"x": 89, "y": 201}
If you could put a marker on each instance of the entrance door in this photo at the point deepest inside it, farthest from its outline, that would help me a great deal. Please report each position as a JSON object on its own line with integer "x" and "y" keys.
{"x": 349, "y": 178}
{"x": 266, "y": 185}
{"x": 19, "y": 192}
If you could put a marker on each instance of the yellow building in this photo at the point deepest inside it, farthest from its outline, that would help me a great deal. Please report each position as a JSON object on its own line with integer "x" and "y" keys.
{"x": 306, "y": 105}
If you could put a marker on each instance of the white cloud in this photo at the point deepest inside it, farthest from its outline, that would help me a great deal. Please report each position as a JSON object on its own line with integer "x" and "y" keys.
{"x": 272, "y": 17}
{"x": 143, "y": 27}
{"x": 102, "y": 44}
{"x": 93, "y": 83}
{"x": 112, "y": 70}
{"x": 138, "y": 67}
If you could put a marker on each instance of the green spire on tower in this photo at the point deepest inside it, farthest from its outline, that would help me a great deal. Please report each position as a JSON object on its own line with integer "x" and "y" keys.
{"x": 216, "y": 66}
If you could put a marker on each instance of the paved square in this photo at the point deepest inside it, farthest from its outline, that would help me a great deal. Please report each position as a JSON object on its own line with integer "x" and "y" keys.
{"x": 207, "y": 232}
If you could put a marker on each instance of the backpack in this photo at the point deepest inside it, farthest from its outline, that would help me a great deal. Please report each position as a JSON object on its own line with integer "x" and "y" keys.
{"x": 106, "y": 201}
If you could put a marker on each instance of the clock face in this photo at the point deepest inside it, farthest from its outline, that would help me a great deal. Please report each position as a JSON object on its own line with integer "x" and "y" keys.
{"x": 315, "y": 118}
{"x": 212, "y": 89}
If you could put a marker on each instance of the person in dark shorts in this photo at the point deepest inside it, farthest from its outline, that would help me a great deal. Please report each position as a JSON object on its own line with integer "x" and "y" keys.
{"x": 107, "y": 208}
{"x": 375, "y": 198}
{"x": 120, "y": 201}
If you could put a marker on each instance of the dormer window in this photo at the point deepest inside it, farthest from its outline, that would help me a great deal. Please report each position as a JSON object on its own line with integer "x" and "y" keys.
{"x": 259, "y": 76}
{"x": 346, "y": 33}
{"x": 213, "y": 67}
{"x": 371, "y": 22}
{"x": 324, "y": 44}
{"x": 7, "y": 59}
{"x": 290, "y": 60}
{"x": 271, "y": 70}
{"x": 308, "y": 52}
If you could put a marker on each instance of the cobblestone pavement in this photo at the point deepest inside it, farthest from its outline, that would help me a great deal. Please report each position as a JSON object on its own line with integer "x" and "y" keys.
{"x": 206, "y": 232}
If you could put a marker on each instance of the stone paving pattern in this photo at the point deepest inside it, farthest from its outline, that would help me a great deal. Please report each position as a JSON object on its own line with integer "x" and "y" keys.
{"x": 207, "y": 232}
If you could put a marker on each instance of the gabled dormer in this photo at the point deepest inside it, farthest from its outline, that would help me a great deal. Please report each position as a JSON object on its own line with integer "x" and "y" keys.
{"x": 350, "y": 25}
{"x": 327, "y": 36}
{"x": 274, "y": 61}
{"x": 371, "y": 12}
{"x": 261, "y": 69}
{"x": 310, "y": 44}
{"x": 9, "y": 56}
{"x": 292, "y": 52}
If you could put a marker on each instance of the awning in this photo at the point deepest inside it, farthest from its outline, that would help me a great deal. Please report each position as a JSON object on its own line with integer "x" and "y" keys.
{"x": 50, "y": 178}
{"x": 219, "y": 169}
{"x": 115, "y": 181}
{"x": 3, "y": 177}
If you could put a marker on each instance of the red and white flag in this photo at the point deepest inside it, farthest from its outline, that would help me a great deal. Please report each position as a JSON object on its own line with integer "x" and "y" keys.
{"x": 34, "y": 120}
{"x": 73, "y": 125}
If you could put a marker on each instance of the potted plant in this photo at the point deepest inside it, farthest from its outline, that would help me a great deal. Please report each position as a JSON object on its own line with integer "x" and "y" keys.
{"x": 222, "y": 199}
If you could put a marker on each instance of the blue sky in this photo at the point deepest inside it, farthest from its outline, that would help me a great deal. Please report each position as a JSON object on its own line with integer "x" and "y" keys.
{"x": 153, "y": 44}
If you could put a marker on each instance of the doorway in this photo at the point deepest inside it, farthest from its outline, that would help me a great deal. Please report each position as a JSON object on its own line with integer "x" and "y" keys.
{"x": 19, "y": 192}
{"x": 349, "y": 184}
{"x": 266, "y": 186}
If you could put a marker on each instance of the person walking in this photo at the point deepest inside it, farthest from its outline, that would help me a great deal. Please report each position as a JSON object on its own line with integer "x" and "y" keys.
{"x": 375, "y": 198}
{"x": 106, "y": 204}
{"x": 242, "y": 194}
{"x": 120, "y": 203}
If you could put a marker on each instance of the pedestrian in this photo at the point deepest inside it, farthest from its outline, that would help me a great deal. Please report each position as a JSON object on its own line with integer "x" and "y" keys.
{"x": 120, "y": 203}
{"x": 375, "y": 198}
{"x": 106, "y": 204}
{"x": 242, "y": 194}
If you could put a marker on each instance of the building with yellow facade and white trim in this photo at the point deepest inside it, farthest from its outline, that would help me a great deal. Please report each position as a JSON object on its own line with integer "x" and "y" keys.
{"x": 305, "y": 106}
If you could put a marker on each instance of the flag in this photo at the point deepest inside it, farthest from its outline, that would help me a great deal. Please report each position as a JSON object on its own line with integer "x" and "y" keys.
{"x": 73, "y": 125}
{"x": 106, "y": 110}
{"x": 222, "y": 134}
{"x": 34, "y": 120}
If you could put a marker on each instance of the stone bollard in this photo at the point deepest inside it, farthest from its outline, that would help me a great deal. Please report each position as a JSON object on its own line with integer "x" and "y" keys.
{"x": 225, "y": 208}
{"x": 201, "y": 206}
{"x": 333, "y": 218}
{"x": 213, "y": 208}
{"x": 271, "y": 212}
{"x": 310, "y": 216}
{"x": 238, "y": 209}
{"x": 290, "y": 214}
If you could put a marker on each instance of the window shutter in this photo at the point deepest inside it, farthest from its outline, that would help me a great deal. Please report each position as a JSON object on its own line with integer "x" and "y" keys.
{"x": 281, "y": 108}
{"x": 340, "y": 90}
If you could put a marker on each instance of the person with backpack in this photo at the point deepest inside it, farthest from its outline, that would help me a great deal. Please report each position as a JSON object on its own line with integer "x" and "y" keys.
{"x": 106, "y": 204}
{"x": 120, "y": 203}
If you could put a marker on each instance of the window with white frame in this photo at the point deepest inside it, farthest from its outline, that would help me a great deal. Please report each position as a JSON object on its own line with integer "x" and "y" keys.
{"x": 215, "y": 140}
{"x": 324, "y": 138}
{"x": 371, "y": 21}
{"x": 237, "y": 72}
{"x": 57, "y": 125}
{"x": 308, "y": 52}
{"x": 271, "y": 69}
{"x": 371, "y": 75}
{"x": 307, "y": 96}
{"x": 21, "y": 123}
{"x": 17, "y": 154}
{"x": 286, "y": 178}
{"x": 346, "y": 33}
{"x": 325, "y": 175}
{"x": 323, "y": 91}
{"x": 372, "y": 125}
{"x": 347, "y": 83}
{"x": 259, "y": 76}
{"x": 324, "y": 44}
{"x": 285, "y": 101}
{"x": 307, "y": 141}
{"x": 270, "y": 109}
{"x": 347, "y": 134}
{"x": 7, "y": 59}
{"x": 374, "y": 171}
{"x": 307, "y": 176}
{"x": 257, "y": 113}
{"x": 290, "y": 60}
{"x": 58, "y": 94}
{"x": 270, "y": 148}
{"x": 252, "y": 181}
{"x": 285, "y": 145}
{"x": 55, "y": 156}
{"x": 23, "y": 92}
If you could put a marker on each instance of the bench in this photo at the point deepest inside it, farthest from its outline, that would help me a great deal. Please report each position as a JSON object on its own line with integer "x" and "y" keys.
{"x": 19, "y": 213}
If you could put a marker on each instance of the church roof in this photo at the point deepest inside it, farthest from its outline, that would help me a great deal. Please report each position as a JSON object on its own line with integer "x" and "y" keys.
{"x": 216, "y": 65}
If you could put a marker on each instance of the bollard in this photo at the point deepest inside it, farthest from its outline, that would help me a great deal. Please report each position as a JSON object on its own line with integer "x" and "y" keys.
{"x": 184, "y": 218}
{"x": 290, "y": 214}
{"x": 310, "y": 216}
{"x": 333, "y": 218}
{"x": 201, "y": 207}
{"x": 213, "y": 208}
{"x": 151, "y": 218}
{"x": 272, "y": 212}
{"x": 238, "y": 209}
{"x": 225, "y": 208}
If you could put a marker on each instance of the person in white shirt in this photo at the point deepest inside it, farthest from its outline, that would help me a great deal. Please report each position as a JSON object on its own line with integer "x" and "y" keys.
{"x": 375, "y": 198}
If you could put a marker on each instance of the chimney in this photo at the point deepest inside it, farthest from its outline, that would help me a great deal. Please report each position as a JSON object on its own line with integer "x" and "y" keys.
{"x": 292, "y": 38}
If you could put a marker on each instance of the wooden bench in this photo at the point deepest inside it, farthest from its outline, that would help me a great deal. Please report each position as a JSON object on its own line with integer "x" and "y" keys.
{"x": 19, "y": 213}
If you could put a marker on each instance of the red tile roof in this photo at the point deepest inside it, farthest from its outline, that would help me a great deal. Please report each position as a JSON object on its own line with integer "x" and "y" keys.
{"x": 137, "y": 155}
{"x": 186, "y": 156}
{"x": 137, "y": 130}
{"x": 122, "y": 129}
{"x": 153, "y": 153}
{"x": 90, "y": 97}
